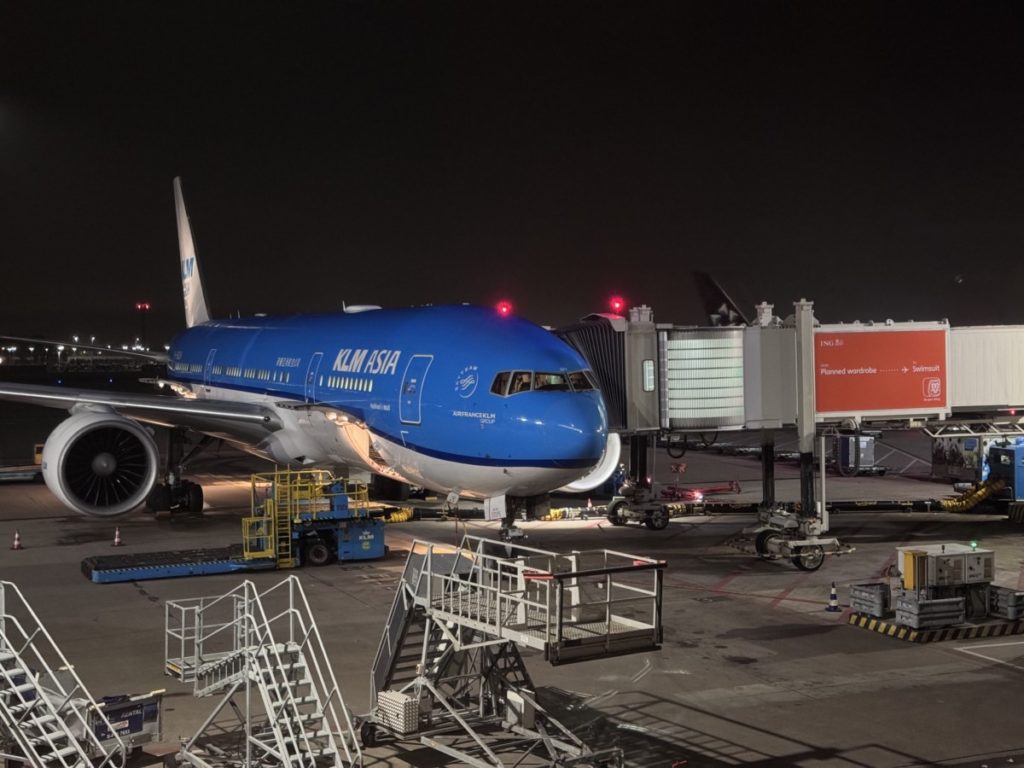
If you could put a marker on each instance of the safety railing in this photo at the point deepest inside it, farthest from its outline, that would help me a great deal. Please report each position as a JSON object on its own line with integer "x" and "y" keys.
{"x": 37, "y": 668}
{"x": 572, "y": 605}
{"x": 205, "y": 636}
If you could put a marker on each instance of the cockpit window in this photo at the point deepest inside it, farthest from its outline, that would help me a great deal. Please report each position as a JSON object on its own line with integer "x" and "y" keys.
{"x": 522, "y": 381}
{"x": 512, "y": 383}
{"x": 580, "y": 381}
{"x": 500, "y": 385}
{"x": 550, "y": 382}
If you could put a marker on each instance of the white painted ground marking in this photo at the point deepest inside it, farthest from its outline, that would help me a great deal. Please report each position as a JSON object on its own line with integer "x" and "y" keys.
{"x": 973, "y": 651}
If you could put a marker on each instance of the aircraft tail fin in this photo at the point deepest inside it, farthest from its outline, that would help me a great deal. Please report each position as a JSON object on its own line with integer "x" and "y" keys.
{"x": 718, "y": 307}
{"x": 196, "y": 311}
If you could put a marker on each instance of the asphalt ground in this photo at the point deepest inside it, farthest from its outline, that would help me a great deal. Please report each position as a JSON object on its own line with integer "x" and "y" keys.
{"x": 753, "y": 670}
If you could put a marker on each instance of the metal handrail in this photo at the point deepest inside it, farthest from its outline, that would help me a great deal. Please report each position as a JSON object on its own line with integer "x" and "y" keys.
{"x": 112, "y": 757}
{"x": 253, "y": 634}
{"x": 507, "y": 590}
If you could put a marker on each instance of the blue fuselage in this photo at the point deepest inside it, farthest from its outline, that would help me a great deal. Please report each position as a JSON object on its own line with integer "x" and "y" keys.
{"x": 427, "y": 384}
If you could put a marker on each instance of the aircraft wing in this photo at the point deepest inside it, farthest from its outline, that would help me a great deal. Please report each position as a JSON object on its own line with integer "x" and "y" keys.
{"x": 250, "y": 422}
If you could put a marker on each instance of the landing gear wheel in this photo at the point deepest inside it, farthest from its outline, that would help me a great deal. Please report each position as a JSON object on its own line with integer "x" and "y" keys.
{"x": 317, "y": 553}
{"x": 657, "y": 520}
{"x": 368, "y": 735}
{"x": 808, "y": 558}
{"x": 159, "y": 499}
{"x": 194, "y": 499}
{"x": 613, "y": 513}
{"x": 761, "y": 542}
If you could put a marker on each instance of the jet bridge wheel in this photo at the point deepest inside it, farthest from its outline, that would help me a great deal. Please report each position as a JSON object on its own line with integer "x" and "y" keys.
{"x": 808, "y": 558}
{"x": 657, "y": 520}
{"x": 761, "y": 542}
{"x": 613, "y": 513}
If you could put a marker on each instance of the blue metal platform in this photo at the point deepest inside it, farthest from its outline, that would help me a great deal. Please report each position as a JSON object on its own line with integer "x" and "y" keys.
{"x": 110, "y": 569}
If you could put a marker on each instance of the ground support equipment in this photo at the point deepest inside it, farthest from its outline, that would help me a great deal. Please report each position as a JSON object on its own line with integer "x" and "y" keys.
{"x": 448, "y": 670}
{"x": 301, "y": 517}
{"x": 781, "y": 534}
{"x": 47, "y": 717}
{"x": 261, "y": 653}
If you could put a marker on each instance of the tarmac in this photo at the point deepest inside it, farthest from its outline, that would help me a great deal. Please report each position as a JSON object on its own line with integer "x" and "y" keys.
{"x": 753, "y": 671}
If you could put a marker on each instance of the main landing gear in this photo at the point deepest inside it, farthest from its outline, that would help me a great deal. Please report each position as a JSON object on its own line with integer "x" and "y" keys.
{"x": 176, "y": 494}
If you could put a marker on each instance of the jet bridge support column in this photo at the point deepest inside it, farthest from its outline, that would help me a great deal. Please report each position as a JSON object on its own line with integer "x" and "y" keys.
{"x": 767, "y": 468}
{"x": 639, "y": 448}
{"x": 781, "y": 533}
{"x": 804, "y": 316}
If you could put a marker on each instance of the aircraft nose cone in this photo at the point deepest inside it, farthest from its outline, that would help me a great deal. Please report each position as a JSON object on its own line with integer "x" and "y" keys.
{"x": 578, "y": 428}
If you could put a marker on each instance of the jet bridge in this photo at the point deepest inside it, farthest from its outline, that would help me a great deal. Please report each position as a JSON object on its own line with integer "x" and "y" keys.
{"x": 672, "y": 382}
{"x": 449, "y": 671}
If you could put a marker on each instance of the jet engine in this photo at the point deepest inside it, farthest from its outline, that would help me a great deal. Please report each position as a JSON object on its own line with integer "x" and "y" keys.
{"x": 100, "y": 464}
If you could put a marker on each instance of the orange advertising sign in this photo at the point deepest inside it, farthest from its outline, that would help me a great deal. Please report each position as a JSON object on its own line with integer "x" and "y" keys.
{"x": 880, "y": 371}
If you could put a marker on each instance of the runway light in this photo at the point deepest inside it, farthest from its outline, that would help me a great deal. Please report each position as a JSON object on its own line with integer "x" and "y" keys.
{"x": 617, "y": 304}
{"x": 504, "y": 308}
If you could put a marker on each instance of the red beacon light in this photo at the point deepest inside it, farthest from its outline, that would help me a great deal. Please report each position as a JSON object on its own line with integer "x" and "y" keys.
{"x": 617, "y": 304}
{"x": 504, "y": 308}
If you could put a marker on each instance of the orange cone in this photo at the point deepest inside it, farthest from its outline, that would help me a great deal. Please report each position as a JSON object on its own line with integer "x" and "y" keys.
{"x": 117, "y": 538}
{"x": 17, "y": 541}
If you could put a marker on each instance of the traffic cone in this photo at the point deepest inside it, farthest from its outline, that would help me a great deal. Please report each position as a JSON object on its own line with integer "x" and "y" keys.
{"x": 833, "y": 600}
{"x": 117, "y": 538}
{"x": 17, "y": 541}
{"x": 590, "y": 504}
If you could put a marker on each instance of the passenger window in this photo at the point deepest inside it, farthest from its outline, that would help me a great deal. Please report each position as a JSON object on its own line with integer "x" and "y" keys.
{"x": 522, "y": 381}
{"x": 550, "y": 382}
{"x": 500, "y": 385}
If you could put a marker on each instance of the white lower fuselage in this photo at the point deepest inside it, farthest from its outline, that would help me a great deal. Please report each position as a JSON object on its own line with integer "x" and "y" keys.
{"x": 320, "y": 436}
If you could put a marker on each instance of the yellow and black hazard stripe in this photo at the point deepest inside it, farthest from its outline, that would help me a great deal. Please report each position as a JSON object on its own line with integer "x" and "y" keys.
{"x": 889, "y": 629}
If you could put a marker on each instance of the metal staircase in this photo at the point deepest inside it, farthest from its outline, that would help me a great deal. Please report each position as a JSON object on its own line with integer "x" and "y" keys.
{"x": 262, "y": 653}
{"x": 47, "y": 717}
{"x": 448, "y": 667}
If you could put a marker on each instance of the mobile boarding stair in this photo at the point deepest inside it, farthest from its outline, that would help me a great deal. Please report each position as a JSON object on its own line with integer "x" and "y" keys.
{"x": 261, "y": 653}
{"x": 47, "y": 716}
{"x": 449, "y": 672}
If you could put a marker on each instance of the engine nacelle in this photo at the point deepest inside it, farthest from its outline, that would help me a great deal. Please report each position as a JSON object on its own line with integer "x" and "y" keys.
{"x": 100, "y": 463}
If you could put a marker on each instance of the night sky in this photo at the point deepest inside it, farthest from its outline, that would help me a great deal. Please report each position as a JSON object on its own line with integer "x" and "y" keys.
{"x": 867, "y": 156}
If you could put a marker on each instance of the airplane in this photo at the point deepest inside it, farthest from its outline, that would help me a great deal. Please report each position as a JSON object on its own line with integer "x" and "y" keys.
{"x": 459, "y": 399}
{"x": 719, "y": 308}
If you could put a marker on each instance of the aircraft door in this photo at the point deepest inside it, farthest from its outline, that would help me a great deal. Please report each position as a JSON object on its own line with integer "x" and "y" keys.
{"x": 410, "y": 399}
{"x": 207, "y": 371}
{"x": 311, "y": 373}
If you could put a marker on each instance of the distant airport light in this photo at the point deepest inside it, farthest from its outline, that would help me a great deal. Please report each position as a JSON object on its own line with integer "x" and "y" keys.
{"x": 142, "y": 306}
{"x": 617, "y": 304}
{"x": 504, "y": 308}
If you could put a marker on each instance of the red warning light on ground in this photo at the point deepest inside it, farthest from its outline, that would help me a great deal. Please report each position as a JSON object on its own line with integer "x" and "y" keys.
{"x": 504, "y": 308}
{"x": 617, "y": 304}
